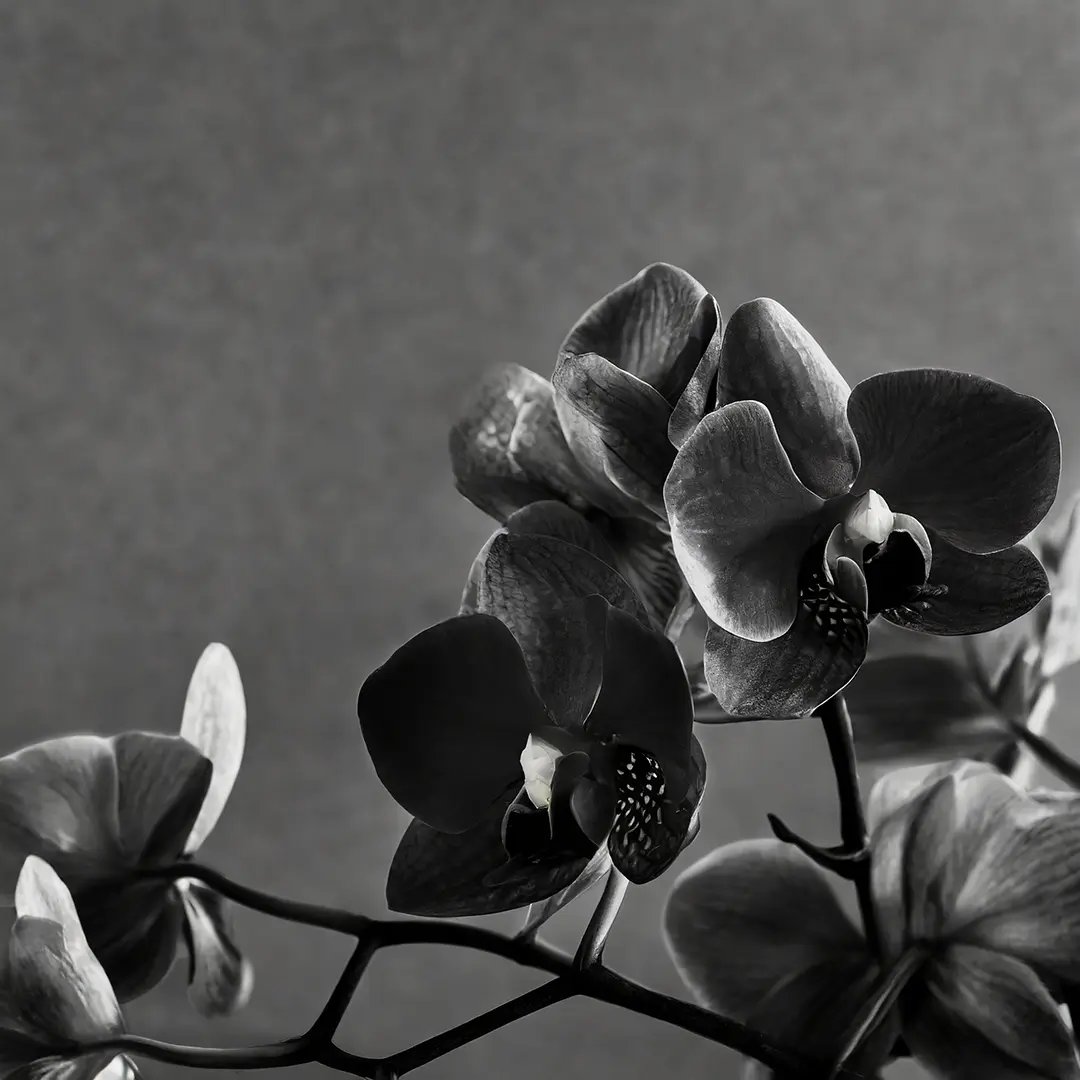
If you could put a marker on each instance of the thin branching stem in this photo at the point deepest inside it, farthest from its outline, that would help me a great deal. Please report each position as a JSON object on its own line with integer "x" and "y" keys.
{"x": 591, "y": 949}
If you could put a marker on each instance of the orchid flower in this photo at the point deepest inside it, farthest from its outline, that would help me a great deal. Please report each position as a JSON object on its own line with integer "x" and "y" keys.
{"x": 801, "y": 509}
{"x": 54, "y": 994}
{"x": 634, "y": 376}
{"x": 105, "y": 811}
{"x": 922, "y": 698}
{"x": 976, "y": 889}
{"x": 550, "y": 722}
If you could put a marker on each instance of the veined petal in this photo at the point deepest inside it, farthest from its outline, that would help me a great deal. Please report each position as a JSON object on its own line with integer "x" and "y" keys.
{"x": 988, "y": 1016}
{"x": 789, "y": 676}
{"x": 57, "y": 982}
{"x": 919, "y": 707}
{"x": 741, "y": 521}
{"x": 215, "y": 723}
{"x": 1021, "y": 895}
{"x": 58, "y": 799}
{"x": 616, "y": 426}
{"x": 163, "y": 781}
{"x": 656, "y": 326}
{"x": 508, "y": 449}
{"x": 446, "y": 717}
{"x": 970, "y": 458}
{"x": 444, "y": 875}
{"x": 978, "y": 593}
{"x": 220, "y": 977}
{"x": 768, "y": 356}
{"x": 734, "y": 934}
{"x": 644, "y": 700}
{"x": 536, "y": 585}
{"x": 699, "y": 396}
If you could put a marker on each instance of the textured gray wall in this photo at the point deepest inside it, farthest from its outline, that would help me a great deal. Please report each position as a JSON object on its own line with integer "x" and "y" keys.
{"x": 251, "y": 256}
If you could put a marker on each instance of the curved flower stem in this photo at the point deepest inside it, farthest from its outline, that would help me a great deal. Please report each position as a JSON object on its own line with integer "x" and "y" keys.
{"x": 596, "y": 982}
{"x": 591, "y": 949}
{"x": 854, "y": 836}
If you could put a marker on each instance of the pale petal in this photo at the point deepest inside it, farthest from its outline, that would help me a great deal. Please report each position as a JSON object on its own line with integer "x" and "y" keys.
{"x": 221, "y": 978}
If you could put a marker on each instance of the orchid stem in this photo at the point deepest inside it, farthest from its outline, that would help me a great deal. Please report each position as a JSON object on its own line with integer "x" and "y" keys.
{"x": 573, "y": 980}
{"x": 854, "y": 835}
{"x": 591, "y": 949}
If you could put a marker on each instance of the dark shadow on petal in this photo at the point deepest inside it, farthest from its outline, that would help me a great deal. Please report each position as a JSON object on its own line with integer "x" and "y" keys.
{"x": 469, "y": 873}
{"x": 699, "y": 397}
{"x": 446, "y": 718}
{"x": 972, "y": 594}
{"x": 970, "y": 458}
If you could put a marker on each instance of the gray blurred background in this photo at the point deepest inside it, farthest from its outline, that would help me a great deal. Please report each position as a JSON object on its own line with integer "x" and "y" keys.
{"x": 253, "y": 254}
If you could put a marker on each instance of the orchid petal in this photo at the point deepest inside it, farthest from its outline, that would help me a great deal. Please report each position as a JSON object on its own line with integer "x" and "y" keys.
{"x": 163, "y": 785}
{"x": 741, "y": 521}
{"x": 988, "y": 1015}
{"x": 446, "y": 717}
{"x": 656, "y": 326}
{"x": 60, "y": 987}
{"x": 644, "y": 700}
{"x": 789, "y": 676}
{"x": 508, "y": 449}
{"x": 643, "y": 555}
{"x": 1062, "y": 638}
{"x": 734, "y": 934}
{"x": 220, "y": 977}
{"x": 616, "y": 426}
{"x": 215, "y": 723}
{"x": 596, "y": 870}
{"x": 444, "y": 875}
{"x": 699, "y": 396}
{"x": 981, "y": 592}
{"x": 919, "y": 707}
{"x": 536, "y": 585}
{"x": 970, "y": 458}
{"x": 768, "y": 356}
{"x": 1021, "y": 893}
{"x": 58, "y": 799}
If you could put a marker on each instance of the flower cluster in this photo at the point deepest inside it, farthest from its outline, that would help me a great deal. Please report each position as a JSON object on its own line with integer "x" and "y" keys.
{"x": 674, "y": 467}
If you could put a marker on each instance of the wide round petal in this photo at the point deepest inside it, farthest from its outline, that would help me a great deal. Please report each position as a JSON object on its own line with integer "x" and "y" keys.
{"x": 536, "y": 585}
{"x": 734, "y": 933}
{"x": 979, "y": 593}
{"x": 446, "y": 717}
{"x": 644, "y": 700}
{"x": 768, "y": 356}
{"x": 215, "y": 723}
{"x": 220, "y": 977}
{"x": 741, "y": 521}
{"x": 970, "y": 458}
{"x": 163, "y": 781}
{"x": 60, "y": 987}
{"x": 616, "y": 426}
{"x": 58, "y": 799}
{"x": 1021, "y": 893}
{"x": 789, "y": 676}
{"x": 919, "y": 707}
{"x": 656, "y": 326}
{"x": 437, "y": 874}
{"x": 508, "y": 449}
{"x": 983, "y": 1015}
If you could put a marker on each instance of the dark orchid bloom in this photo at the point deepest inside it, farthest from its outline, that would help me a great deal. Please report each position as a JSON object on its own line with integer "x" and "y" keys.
{"x": 634, "y": 376}
{"x": 104, "y": 812}
{"x": 800, "y": 510}
{"x": 551, "y": 722}
{"x": 923, "y": 698}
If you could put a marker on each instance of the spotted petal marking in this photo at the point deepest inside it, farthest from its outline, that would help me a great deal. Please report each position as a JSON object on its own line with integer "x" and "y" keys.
{"x": 839, "y": 622}
{"x": 644, "y": 837}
